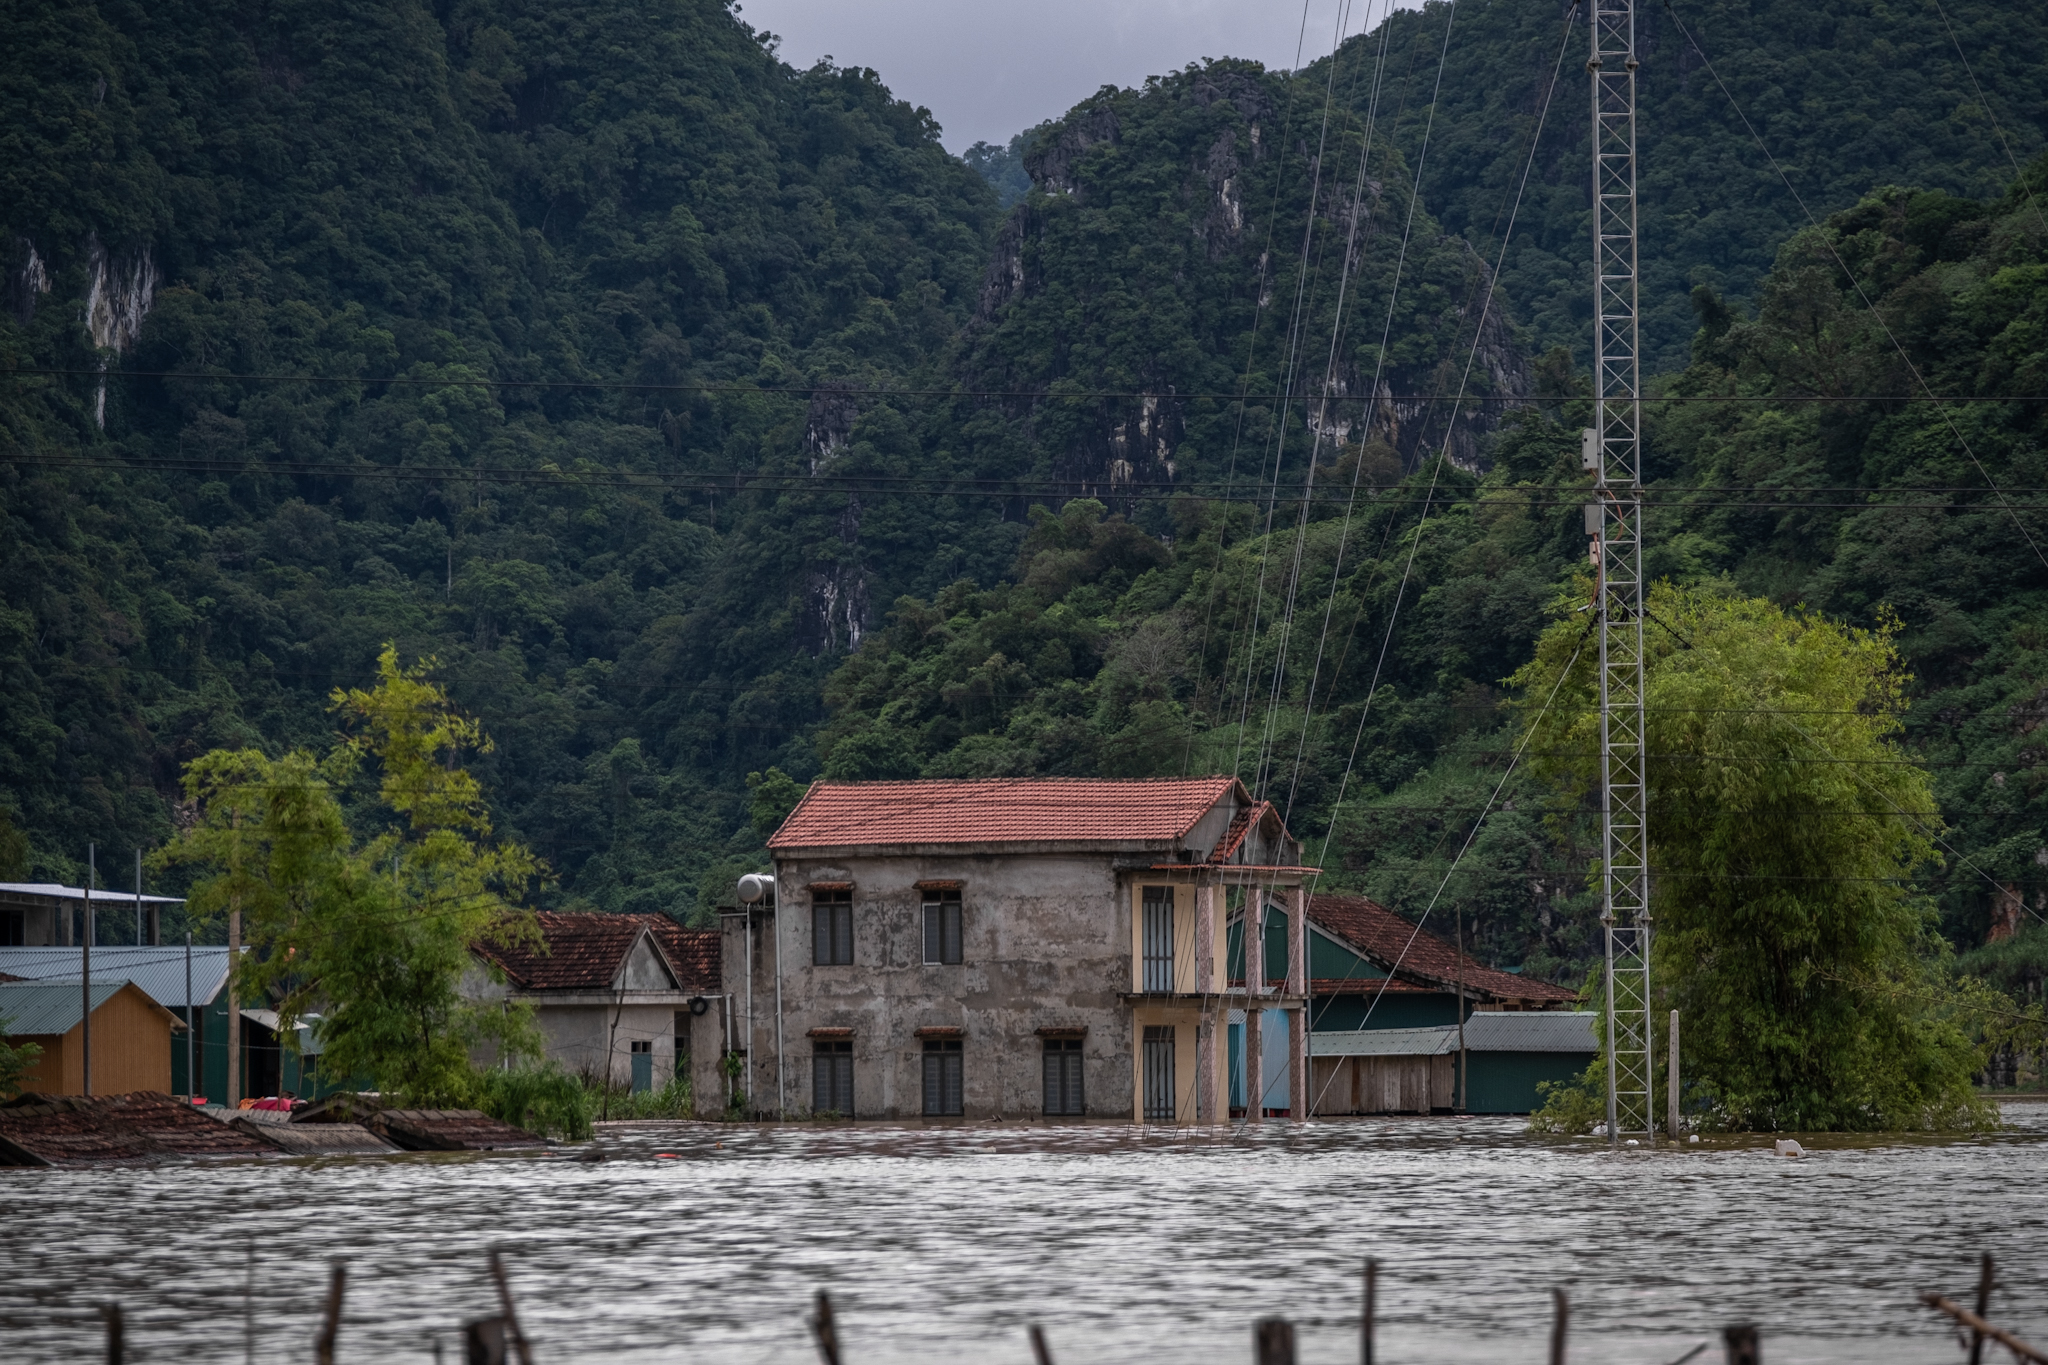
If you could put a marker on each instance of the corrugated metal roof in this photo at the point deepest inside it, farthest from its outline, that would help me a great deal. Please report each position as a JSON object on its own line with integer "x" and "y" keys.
{"x": 32, "y": 1010}
{"x": 58, "y": 891}
{"x": 1000, "y": 810}
{"x": 1488, "y": 1031}
{"x": 159, "y": 971}
{"x": 1385, "y": 1042}
{"x": 1533, "y": 1031}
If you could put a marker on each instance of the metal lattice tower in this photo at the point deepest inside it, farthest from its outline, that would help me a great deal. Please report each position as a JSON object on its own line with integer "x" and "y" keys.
{"x": 1614, "y": 452}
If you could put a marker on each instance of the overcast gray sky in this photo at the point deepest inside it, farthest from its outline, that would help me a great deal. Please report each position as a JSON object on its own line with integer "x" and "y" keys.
{"x": 990, "y": 68}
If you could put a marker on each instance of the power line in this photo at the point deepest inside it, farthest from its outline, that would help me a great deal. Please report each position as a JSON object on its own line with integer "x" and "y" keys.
{"x": 1040, "y": 395}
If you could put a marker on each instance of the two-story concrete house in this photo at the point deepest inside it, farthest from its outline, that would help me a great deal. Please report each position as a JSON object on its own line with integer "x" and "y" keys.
{"x": 1015, "y": 949}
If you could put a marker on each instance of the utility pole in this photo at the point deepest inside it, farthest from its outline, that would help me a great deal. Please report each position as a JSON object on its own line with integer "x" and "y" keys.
{"x": 1613, "y": 453}
{"x": 92, "y": 875}
{"x": 234, "y": 1038}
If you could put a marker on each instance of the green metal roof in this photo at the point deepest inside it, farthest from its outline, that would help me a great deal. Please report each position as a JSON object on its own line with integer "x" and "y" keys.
{"x": 28, "y": 1009}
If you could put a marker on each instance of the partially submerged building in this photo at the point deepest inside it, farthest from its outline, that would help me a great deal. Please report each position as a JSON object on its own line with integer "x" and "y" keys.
{"x": 1046, "y": 947}
{"x": 130, "y": 1036}
{"x": 199, "y": 1000}
{"x": 635, "y": 998}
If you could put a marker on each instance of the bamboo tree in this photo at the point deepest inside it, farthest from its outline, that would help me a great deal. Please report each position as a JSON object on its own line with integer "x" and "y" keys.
{"x": 1787, "y": 827}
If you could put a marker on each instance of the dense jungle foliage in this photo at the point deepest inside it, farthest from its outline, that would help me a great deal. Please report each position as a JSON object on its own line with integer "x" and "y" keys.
{"x": 585, "y": 306}
{"x": 1845, "y": 94}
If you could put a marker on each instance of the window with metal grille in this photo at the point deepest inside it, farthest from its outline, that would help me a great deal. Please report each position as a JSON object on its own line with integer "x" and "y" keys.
{"x": 941, "y": 928}
{"x": 942, "y": 1073}
{"x": 682, "y": 1043}
{"x": 832, "y": 928}
{"x": 832, "y": 1078}
{"x": 1158, "y": 938}
{"x": 1063, "y": 1077}
{"x": 1160, "y": 1097}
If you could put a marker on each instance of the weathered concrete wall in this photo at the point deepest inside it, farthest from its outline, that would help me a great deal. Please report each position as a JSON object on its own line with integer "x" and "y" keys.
{"x": 1046, "y": 943}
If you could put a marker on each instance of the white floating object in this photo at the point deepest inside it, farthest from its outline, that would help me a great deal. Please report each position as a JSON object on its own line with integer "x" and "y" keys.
{"x": 1695, "y": 1137}
{"x": 1631, "y": 1143}
{"x": 1787, "y": 1147}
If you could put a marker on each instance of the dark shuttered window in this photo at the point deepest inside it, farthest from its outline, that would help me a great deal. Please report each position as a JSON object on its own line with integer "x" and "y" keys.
{"x": 1159, "y": 1088}
{"x": 941, "y": 928}
{"x": 942, "y": 1077}
{"x": 1158, "y": 938}
{"x": 1063, "y": 1077}
{"x": 832, "y": 928}
{"x": 832, "y": 1078}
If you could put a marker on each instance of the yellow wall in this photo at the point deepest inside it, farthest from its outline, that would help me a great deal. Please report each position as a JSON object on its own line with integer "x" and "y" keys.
{"x": 131, "y": 1050}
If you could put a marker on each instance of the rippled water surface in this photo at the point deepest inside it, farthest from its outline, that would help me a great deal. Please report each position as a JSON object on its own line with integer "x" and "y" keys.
{"x": 699, "y": 1243}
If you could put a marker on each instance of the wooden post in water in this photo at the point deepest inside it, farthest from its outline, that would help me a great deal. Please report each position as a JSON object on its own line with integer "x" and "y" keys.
{"x": 1365, "y": 1325}
{"x": 1671, "y": 1083}
{"x": 116, "y": 1346}
{"x": 1558, "y": 1324}
{"x": 1273, "y": 1342}
{"x": 1039, "y": 1351}
{"x": 1743, "y": 1346}
{"x": 1983, "y": 1306}
{"x": 519, "y": 1341}
{"x": 330, "y": 1323}
{"x": 823, "y": 1328}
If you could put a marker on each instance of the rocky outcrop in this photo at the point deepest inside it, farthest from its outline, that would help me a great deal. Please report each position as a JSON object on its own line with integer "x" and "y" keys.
{"x": 120, "y": 286}
{"x": 24, "y": 281}
{"x": 834, "y": 613}
{"x": 1051, "y": 163}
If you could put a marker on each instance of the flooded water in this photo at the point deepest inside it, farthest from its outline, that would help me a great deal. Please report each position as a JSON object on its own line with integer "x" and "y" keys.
{"x": 702, "y": 1243}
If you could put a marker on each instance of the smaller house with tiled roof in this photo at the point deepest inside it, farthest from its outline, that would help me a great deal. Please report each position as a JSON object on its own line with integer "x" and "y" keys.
{"x": 632, "y": 997}
{"x": 1386, "y": 995}
{"x": 1015, "y": 948}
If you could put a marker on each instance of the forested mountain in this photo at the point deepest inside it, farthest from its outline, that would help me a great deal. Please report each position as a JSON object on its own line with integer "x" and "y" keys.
{"x": 1846, "y": 94}
{"x": 574, "y": 197}
{"x": 705, "y": 419}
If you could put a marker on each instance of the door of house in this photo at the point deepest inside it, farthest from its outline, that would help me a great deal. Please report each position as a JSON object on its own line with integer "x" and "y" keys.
{"x": 643, "y": 1065}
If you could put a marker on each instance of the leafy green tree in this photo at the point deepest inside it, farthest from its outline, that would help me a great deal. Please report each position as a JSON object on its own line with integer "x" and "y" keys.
{"x": 771, "y": 796}
{"x": 15, "y": 1060}
{"x": 1787, "y": 826}
{"x": 373, "y": 927}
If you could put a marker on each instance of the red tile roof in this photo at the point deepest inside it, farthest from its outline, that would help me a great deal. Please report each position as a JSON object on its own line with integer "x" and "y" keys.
{"x": 999, "y": 810}
{"x": 1386, "y": 938}
{"x": 584, "y": 952}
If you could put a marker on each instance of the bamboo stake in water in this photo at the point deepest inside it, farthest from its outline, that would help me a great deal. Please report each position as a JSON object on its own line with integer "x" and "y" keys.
{"x": 1558, "y": 1326}
{"x": 1365, "y": 1324}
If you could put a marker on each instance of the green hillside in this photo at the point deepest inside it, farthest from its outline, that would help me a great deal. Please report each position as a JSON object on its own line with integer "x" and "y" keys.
{"x": 581, "y": 196}
{"x": 1846, "y": 94}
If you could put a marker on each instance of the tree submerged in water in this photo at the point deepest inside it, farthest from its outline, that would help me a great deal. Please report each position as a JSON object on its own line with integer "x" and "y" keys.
{"x": 367, "y": 911}
{"x": 1787, "y": 827}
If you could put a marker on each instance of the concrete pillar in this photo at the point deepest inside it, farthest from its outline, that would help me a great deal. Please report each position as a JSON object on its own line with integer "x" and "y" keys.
{"x": 1297, "y": 940}
{"x": 1255, "y": 942}
{"x": 1205, "y": 1067}
{"x": 1254, "y": 1066}
{"x": 1299, "y": 1101}
{"x": 1207, "y": 899}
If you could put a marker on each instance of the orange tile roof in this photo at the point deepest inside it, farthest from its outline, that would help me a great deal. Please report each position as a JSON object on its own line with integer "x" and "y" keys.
{"x": 1000, "y": 810}
{"x": 1387, "y": 938}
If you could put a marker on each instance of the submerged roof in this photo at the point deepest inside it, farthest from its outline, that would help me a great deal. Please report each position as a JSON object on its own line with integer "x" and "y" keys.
{"x": 80, "y": 1130}
{"x": 1487, "y": 1031}
{"x": 159, "y": 971}
{"x": 587, "y": 951}
{"x": 1397, "y": 944}
{"x": 999, "y": 810}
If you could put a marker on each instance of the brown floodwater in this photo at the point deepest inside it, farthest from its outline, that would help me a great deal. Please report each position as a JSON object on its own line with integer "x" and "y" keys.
{"x": 695, "y": 1242}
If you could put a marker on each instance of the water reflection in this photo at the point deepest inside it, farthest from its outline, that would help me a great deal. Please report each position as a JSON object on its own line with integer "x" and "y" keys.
{"x": 704, "y": 1243}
